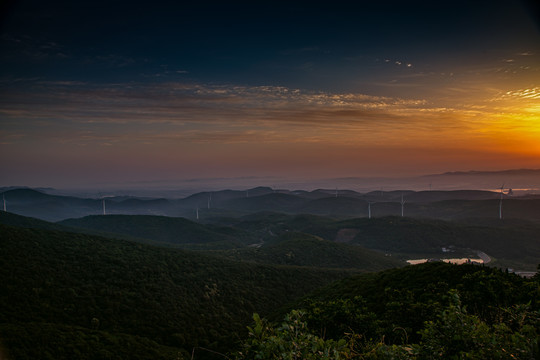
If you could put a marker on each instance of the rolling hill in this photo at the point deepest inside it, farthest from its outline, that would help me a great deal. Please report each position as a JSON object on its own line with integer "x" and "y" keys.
{"x": 33, "y": 203}
{"x": 447, "y": 205}
{"x": 166, "y": 230}
{"x": 511, "y": 243}
{"x": 394, "y": 305}
{"x": 87, "y": 289}
{"x": 7, "y": 218}
{"x": 268, "y": 202}
{"x": 84, "y": 295}
{"x": 300, "y": 249}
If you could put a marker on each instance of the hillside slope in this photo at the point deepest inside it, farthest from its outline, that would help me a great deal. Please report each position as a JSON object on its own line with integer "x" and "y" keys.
{"x": 429, "y": 311}
{"x": 407, "y": 297}
{"x": 509, "y": 241}
{"x": 55, "y": 281}
{"x": 307, "y": 250}
{"x": 169, "y": 230}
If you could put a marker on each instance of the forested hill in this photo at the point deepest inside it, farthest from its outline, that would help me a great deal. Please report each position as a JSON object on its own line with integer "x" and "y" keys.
{"x": 300, "y": 249}
{"x": 167, "y": 230}
{"x": 448, "y": 205}
{"x": 8, "y": 218}
{"x": 511, "y": 243}
{"x": 429, "y": 311}
{"x": 66, "y": 295}
{"x": 480, "y": 287}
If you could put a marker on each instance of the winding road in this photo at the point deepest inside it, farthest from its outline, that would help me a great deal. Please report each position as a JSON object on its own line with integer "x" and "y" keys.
{"x": 485, "y": 257}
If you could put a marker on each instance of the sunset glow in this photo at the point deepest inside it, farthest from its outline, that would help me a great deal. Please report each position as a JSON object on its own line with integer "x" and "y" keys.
{"x": 301, "y": 106}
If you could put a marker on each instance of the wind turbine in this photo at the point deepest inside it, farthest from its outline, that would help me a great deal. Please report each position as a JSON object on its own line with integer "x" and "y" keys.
{"x": 369, "y": 208}
{"x": 500, "y": 202}
{"x": 402, "y": 204}
{"x": 197, "y": 212}
{"x": 4, "y": 198}
{"x": 209, "y": 200}
{"x": 102, "y": 197}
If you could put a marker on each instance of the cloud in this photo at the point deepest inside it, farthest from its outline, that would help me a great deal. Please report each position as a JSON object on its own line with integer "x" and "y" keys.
{"x": 191, "y": 113}
{"x": 530, "y": 93}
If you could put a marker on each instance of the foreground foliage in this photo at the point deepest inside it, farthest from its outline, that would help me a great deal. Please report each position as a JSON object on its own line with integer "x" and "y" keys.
{"x": 454, "y": 334}
{"x": 409, "y": 313}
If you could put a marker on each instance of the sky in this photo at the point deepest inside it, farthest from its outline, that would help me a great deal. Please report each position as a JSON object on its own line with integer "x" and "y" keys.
{"x": 111, "y": 93}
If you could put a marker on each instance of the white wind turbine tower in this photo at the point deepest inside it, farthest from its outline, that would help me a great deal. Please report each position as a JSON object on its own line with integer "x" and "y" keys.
{"x": 197, "y": 212}
{"x": 402, "y": 205}
{"x": 500, "y": 202}
{"x": 369, "y": 208}
{"x": 102, "y": 197}
{"x": 209, "y": 199}
{"x": 4, "y": 198}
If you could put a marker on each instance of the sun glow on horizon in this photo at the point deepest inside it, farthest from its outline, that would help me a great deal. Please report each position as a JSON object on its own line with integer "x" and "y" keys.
{"x": 265, "y": 129}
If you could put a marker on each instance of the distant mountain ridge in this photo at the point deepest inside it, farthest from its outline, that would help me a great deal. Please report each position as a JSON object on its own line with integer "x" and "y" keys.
{"x": 344, "y": 203}
{"x": 519, "y": 172}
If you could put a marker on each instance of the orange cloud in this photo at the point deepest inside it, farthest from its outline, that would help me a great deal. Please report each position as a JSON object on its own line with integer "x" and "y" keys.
{"x": 291, "y": 129}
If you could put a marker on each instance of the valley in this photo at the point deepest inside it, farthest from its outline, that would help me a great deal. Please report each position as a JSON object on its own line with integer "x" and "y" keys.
{"x": 144, "y": 281}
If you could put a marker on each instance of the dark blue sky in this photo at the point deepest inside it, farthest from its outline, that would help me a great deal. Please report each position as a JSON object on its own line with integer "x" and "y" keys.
{"x": 263, "y": 88}
{"x": 331, "y": 45}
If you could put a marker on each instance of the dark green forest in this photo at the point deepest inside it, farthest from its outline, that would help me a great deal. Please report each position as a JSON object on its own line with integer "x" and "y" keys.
{"x": 428, "y": 311}
{"x": 301, "y": 249}
{"x": 511, "y": 243}
{"x": 95, "y": 290}
{"x": 165, "y": 230}
{"x": 116, "y": 287}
